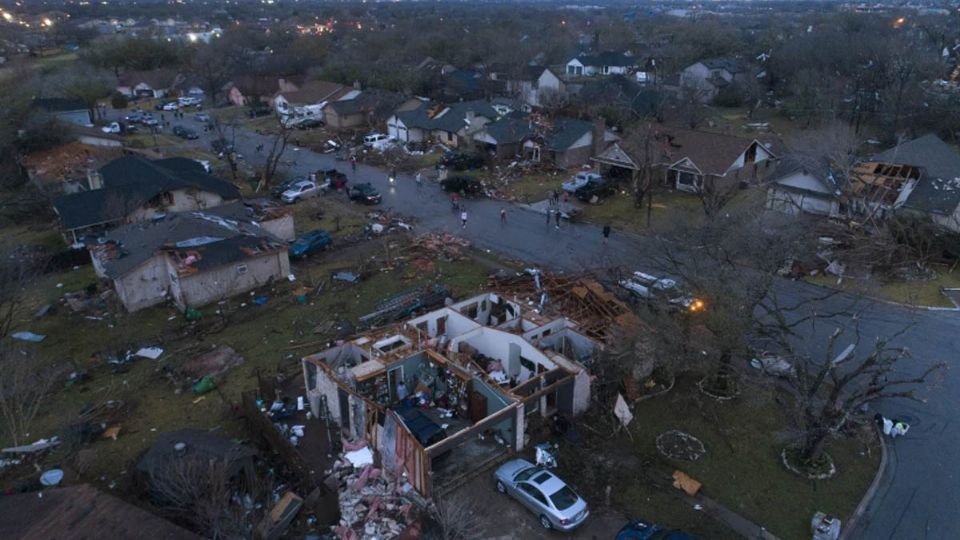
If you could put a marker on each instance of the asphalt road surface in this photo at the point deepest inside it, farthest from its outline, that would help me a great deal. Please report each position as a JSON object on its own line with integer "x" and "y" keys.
{"x": 919, "y": 494}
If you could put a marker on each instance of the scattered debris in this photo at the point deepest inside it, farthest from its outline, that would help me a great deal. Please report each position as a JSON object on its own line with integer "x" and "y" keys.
{"x": 406, "y": 303}
{"x": 825, "y": 527}
{"x": 37, "y": 446}
{"x": 348, "y": 277}
{"x": 276, "y": 522}
{"x": 360, "y": 458}
{"x": 28, "y": 336}
{"x": 111, "y": 432}
{"x": 372, "y": 505}
{"x": 442, "y": 246}
{"x": 204, "y": 385}
{"x": 149, "y": 352}
{"x": 683, "y": 481}
{"x": 43, "y": 311}
{"x": 772, "y": 364}
{"x": 52, "y": 477}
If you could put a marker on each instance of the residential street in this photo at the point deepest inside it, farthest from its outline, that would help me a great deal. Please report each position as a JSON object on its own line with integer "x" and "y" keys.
{"x": 918, "y": 493}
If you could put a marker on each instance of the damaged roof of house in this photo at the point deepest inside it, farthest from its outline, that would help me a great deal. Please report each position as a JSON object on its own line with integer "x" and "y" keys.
{"x": 197, "y": 442}
{"x": 82, "y": 512}
{"x": 218, "y": 240}
{"x": 432, "y": 116}
{"x": 131, "y": 181}
{"x": 938, "y": 191}
{"x": 712, "y": 153}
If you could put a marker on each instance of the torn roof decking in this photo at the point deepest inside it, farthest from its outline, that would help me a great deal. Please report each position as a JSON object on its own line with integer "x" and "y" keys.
{"x": 881, "y": 182}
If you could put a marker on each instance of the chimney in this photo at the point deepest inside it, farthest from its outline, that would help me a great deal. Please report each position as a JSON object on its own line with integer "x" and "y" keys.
{"x": 94, "y": 179}
{"x": 599, "y": 131}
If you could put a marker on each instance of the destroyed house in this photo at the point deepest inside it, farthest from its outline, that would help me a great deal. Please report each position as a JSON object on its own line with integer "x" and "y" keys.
{"x": 447, "y": 392}
{"x": 190, "y": 258}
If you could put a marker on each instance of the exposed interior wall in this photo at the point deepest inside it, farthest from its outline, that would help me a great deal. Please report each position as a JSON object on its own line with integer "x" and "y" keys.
{"x": 455, "y": 323}
{"x": 569, "y": 343}
{"x": 144, "y": 286}
{"x": 510, "y": 349}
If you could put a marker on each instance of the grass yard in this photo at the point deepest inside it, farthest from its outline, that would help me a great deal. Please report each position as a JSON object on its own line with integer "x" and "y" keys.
{"x": 667, "y": 208}
{"x": 741, "y": 468}
{"x": 51, "y": 64}
{"x": 914, "y": 293}
{"x": 271, "y": 338}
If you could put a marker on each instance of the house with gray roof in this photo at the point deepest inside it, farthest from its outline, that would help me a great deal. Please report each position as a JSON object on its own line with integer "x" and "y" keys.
{"x": 131, "y": 189}
{"x": 604, "y": 63}
{"x": 936, "y": 193}
{"x": 191, "y": 258}
{"x": 450, "y": 124}
{"x": 797, "y": 187}
{"x": 710, "y": 76}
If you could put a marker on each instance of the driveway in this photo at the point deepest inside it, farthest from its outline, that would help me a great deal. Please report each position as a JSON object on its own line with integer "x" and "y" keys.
{"x": 919, "y": 491}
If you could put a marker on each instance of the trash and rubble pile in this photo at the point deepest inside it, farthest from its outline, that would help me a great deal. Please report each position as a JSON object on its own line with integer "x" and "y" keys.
{"x": 385, "y": 221}
{"x": 442, "y": 246}
{"x": 406, "y": 303}
{"x": 372, "y": 505}
{"x": 212, "y": 363}
{"x": 577, "y": 297}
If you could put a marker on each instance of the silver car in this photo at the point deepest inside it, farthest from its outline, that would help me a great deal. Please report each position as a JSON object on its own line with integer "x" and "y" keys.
{"x": 556, "y": 505}
{"x": 300, "y": 190}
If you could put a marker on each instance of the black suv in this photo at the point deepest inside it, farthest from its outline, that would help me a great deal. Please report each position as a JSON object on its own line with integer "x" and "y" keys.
{"x": 461, "y": 162}
{"x": 185, "y": 133}
{"x": 466, "y": 185}
{"x": 365, "y": 193}
{"x": 595, "y": 188}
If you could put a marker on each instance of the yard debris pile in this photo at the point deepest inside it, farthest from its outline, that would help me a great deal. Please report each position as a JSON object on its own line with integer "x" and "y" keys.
{"x": 385, "y": 221}
{"x": 437, "y": 246}
{"x": 580, "y": 298}
{"x": 372, "y": 505}
{"x": 213, "y": 363}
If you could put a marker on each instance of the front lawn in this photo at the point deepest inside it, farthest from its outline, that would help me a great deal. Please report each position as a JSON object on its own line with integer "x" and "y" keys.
{"x": 741, "y": 469}
{"x": 913, "y": 293}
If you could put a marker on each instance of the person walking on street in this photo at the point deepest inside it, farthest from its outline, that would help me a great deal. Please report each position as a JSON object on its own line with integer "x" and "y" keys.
{"x": 556, "y": 216}
{"x": 503, "y": 216}
{"x": 419, "y": 180}
{"x": 548, "y": 217}
{"x": 463, "y": 218}
{"x": 606, "y": 234}
{"x": 453, "y": 202}
{"x": 353, "y": 163}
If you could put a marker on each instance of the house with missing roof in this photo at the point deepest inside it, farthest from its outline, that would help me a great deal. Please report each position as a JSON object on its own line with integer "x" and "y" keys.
{"x": 370, "y": 107}
{"x": 920, "y": 178}
{"x": 563, "y": 142}
{"x": 449, "y": 391}
{"x": 309, "y": 99}
{"x": 191, "y": 258}
{"x": 710, "y": 76}
{"x": 452, "y": 125}
{"x": 132, "y": 189}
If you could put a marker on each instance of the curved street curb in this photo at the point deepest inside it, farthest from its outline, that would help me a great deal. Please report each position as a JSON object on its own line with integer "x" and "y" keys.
{"x": 854, "y": 520}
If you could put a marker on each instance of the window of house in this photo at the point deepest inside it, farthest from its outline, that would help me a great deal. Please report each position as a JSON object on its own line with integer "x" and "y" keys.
{"x": 688, "y": 179}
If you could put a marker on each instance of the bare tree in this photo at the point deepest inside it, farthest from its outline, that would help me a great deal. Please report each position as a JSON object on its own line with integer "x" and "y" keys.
{"x": 24, "y": 386}
{"x": 459, "y": 518}
{"x": 690, "y": 104}
{"x": 830, "y": 388}
{"x": 226, "y": 135}
{"x": 832, "y": 146}
{"x": 200, "y": 492}
{"x": 277, "y": 147}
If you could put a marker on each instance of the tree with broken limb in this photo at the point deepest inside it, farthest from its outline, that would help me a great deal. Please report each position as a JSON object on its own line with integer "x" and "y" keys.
{"x": 730, "y": 264}
{"x": 831, "y": 385}
{"x": 227, "y": 135}
{"x": 277, "y": 148}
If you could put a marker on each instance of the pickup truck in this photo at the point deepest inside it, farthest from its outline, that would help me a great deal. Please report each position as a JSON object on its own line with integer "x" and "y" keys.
{"x": 666, "y": 290}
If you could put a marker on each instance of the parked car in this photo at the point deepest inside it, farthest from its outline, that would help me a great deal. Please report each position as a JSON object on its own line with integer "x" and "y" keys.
{"x": 309, "y": 123}
{"x": 372, "y": 139}
{"x": 595, "y": 188}
{"x": 643, "y": 530}
{"x": 277, "y": 190}
{"x": 310, "y": 243}
{"x": 556, "y": 504}
{"x": 134, "y": 117}
{"x": 461, "y": 162}
{"x": 172, "y": 106}
{"x": 466, "y": 185}
{"x": 201, "y": 117}
{"x": 303, "y": 189}
{"x": 185, "y": 133}
{"x": 365, "y": 193}
{"x": 149, "y": 120}
{"x": 579, "y": 180}
{"x": 188, "y": 101}
{"x": 665, "y": 290}
{"x": 118, "y": 128}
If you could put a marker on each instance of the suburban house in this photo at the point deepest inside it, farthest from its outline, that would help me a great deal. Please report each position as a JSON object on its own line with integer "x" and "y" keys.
{"x": 604, "y": 63}
{"x": 929, "y": 170}
{"x": 310, "y": 98}
{"x": 566, "y": 142}
{"x": 710, "y": 76}
{"x": 69, "y": 111}
{"x": 131, "y": 189}
{"x": 463, "y": 85}
{"x": 148, "y": 84}
{"x": 63, "y": 169}
{"x": 191, "y": 258}
{"x": 802, "y": 188}
{"x": 452, "y": 390}
{"x": 82, "y": 511}
{"x": 247, "y": 90}
{"x": 690, "y": 159}
{"x": 504, "y": 138}
{"x": 452, "y": 124}
{"x": 371, "y": 107}
{"x": 548, "y": 88}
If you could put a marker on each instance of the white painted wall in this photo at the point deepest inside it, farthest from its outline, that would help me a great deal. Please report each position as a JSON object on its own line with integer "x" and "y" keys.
{"x": 145, "y": 286}
{"x": 212, "y": 285}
